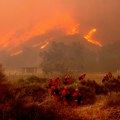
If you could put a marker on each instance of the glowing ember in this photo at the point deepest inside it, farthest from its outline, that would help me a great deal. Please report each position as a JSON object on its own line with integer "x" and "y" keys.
{"x": 37, "y": 45}
{"x": 17, "y": 53}
{"x": 88, "y": 37}
{"x": 44, "y": 45}
{"x": 74, "y": 30}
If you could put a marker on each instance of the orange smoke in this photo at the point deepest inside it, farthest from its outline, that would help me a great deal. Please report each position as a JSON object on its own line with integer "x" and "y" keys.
{"x": 16, "y": 53}
{"x": 19, "y": 37}
{"x": 89, "y": 38}
{"x": 5, "y": 40}
{"x": 44, "y": 45}
{"x": 64, "y": 23}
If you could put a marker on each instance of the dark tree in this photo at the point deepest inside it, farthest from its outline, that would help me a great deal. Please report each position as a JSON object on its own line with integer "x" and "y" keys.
{"x": 2, "y": 75}
{"x": 61, "y": 57}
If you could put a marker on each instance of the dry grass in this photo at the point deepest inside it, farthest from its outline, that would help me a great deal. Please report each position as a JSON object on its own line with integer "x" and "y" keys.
{"x": 113, "y": 100}
{"x": 98, "y": 112}
{"x": 30, "y": 101}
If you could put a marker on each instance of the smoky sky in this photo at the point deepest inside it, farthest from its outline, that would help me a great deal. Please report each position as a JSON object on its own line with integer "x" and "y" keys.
{"x": 23, "y": 14}
{"x": 22, "y": 20}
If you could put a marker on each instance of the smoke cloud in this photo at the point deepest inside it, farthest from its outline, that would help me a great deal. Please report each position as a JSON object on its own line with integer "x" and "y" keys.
{"x": 26, "y": 23}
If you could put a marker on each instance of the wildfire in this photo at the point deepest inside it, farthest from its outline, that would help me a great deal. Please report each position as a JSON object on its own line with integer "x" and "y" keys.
{"x": 37, "y": 45}
{"x": 17, "y": 38}
{"x": 16, "y": 53}
{"x": 20, "y": 36}
{"x": 74, "y": 30}
{"x": 44, "y": 45}
{"x": 89, "y": 38}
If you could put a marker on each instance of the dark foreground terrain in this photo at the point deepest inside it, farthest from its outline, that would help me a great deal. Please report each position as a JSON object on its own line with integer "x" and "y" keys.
{"x": 29, "y": 99}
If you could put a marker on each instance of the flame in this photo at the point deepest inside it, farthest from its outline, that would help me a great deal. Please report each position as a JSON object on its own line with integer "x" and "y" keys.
{"x": 44, "y": 45}
{"x": 16, "y": 38}
{"x": 16, "y": 53}
{"x": 88, "y": 37}
{"x": 64, "y": 22}
{"x": 74, "y": 30}
{"x": 37, "y": 45}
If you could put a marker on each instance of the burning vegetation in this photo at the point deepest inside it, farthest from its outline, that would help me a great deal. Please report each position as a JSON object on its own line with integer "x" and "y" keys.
{"x": 89, "y": 38}
{"x": 16, "y": 53}
{"x": 44, "y": 45}
{"x": 12, "y": 41}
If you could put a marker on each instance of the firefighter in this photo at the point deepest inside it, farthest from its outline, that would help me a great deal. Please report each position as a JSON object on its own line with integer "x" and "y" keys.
{"x": 107, "y": 77}
{"x": 77, "y": 98}
{"x": 57, "y": 81}
{"x": 67, "y": 79}
{"x": 50, "y": 86}
{"x": 82, "y": 77}
{"x": 64, "y": 95}
{"x": 52, "y": 90}
{"x": 50, "y": 83}
{"x": 57, "y": 93}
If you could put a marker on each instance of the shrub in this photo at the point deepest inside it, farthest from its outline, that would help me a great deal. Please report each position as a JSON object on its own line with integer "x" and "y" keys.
{"x": 113, "y": 100}
{"x": 87, "y": 93}
{"x": 6, "y": 92}
{"x": 88, "y": 90}
{"x": 36, "y": 79}
{"x": 36, "y": 91}
{"x": 115, "y": 115}
{"x": 99, "y": 89}
{"x": 113, "y": 85}
{"x": 49, "y": 111}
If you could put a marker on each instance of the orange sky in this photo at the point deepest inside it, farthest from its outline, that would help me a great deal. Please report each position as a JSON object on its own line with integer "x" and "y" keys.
{"x": 22, "y": 19}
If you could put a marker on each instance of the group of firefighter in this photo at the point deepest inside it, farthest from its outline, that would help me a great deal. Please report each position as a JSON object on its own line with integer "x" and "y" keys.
{"x": 64, "y": 94}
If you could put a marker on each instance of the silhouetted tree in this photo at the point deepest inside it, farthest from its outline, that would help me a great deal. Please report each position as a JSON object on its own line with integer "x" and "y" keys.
{"x": 61, "y": 57}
